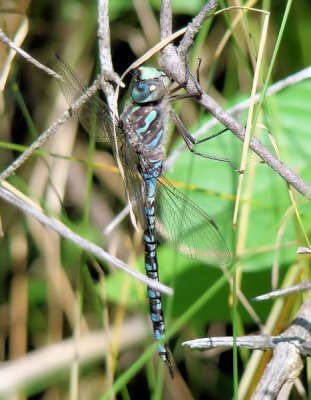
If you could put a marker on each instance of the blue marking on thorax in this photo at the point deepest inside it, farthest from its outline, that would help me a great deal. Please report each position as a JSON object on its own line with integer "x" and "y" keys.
{"x": 148, "y": 120}
{"x": 155, "y": 142}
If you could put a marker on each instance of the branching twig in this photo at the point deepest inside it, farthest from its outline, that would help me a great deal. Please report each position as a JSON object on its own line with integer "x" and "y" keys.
{"x": 289, "y": 348}
{"x": 243, "y": 105}
{"x": 287, "y": 361}
{"x": 252, "y": 342}
{"x": 174, "y": 64}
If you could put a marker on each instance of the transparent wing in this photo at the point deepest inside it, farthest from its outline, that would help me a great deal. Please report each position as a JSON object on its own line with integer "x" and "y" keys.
{"x": 186, "y": 228}
{"x": 94, "y": 114}
{"x": 180, "y": 223}
{"x": 134, "y": 183}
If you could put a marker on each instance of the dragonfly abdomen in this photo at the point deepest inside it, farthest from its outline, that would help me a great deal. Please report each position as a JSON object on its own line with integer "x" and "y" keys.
{"x": 151, "y": 266}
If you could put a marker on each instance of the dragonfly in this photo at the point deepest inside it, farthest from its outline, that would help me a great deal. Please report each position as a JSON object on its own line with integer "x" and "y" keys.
{"x": 166, "y": 214}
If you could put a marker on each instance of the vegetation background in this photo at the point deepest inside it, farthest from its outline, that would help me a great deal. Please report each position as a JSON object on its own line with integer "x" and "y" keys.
{"x": 53, "y": 293}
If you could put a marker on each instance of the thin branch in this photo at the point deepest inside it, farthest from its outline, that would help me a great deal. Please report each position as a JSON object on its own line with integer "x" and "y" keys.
{"x": 166, "y": 19}
{"x": 253, "y": 342}
{"x": 300, "y": 287}
{"x": 107, "y": 71}
{"x": 194, "y": 27}
{"x": 244, "y": 105}
{"x": 49, "y": 132}
{"x": 7, "y": 194}
{"x": 303, "y": 250}
{"x": 26, "y": 56}
{"x": 277, "y": 165}
{"x": 117, "y": 220}
{"x": 104, "y": 36}
{"x": 179, "y": 53}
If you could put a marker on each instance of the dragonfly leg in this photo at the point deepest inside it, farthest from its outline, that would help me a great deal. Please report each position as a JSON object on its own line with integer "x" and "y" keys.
{"x": 197, "y": 94}
{"x": 190, "y": 141}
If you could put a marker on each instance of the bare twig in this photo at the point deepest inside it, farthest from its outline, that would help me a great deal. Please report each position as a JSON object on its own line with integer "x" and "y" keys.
{"x": 48, "y": 133}
{"x": 287, "y": 361}
{"x": 277, "y": 165}
{"x": 107, "y": 71}
{"x": 303, "y": 250}
{"x": 255, "y": 342}
{"x": 7, "y": 194}
{"x": 302, "y": 286}
{"x": 166, "y": 19}
{"x": 252, "y": 342}
{"x": 194, "y": 27}
{"x": 176, "y": 57}
{"x": 26, "y": 56}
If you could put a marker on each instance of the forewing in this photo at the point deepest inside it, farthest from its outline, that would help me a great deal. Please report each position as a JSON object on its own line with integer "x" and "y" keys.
{"x": 186, "y": 228}
{"x": 94, "y": 114}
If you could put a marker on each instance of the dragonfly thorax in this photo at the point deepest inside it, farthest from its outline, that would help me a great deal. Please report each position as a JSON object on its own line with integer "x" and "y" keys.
{"x": 149, "y": 85}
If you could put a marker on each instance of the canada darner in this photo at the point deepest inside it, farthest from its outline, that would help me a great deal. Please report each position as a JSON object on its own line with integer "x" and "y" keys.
{"x": 165, "y": 213}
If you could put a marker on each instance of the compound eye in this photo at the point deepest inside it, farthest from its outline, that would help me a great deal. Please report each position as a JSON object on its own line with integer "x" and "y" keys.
{"x": 140, "y": 91}
{"x": 147, "y": 90}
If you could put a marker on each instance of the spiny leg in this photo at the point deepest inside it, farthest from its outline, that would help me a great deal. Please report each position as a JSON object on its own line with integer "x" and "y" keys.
{"x": 190, "y": 141}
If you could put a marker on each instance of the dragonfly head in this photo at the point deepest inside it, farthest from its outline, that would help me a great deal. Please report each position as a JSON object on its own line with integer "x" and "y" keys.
{"x": 148, "y": 85}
